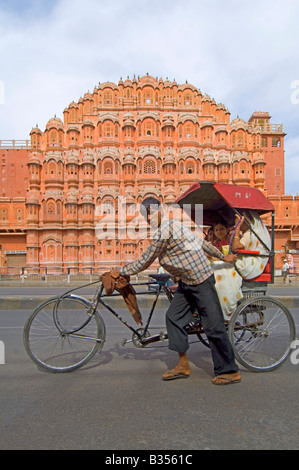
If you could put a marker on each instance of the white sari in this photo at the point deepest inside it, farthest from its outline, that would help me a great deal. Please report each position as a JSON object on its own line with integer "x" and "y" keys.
{"x": 229, "y": 278}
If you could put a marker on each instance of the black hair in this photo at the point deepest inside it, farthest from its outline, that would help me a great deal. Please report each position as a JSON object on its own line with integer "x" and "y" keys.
{"x": 148, "y": 204}
{"x": 220, "y": 222}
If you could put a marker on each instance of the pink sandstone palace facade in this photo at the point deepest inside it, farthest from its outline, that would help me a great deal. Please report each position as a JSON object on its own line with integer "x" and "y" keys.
{"x": 122, "y": 143}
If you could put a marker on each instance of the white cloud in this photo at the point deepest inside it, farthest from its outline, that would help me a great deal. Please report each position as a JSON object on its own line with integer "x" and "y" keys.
{"x": 244, "y": 54}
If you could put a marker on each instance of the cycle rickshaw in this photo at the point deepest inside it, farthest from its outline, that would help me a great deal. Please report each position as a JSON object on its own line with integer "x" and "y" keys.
{"x": 64, "y": 333}
{"x": 261, "y": 328}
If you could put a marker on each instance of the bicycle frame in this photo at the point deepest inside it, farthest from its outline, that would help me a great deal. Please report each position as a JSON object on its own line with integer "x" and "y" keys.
{"x": 98, "y": 299}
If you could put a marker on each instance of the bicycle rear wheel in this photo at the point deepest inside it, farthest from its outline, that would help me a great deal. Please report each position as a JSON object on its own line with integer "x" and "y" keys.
{"x": 62, "y": 334}
{"x": 261, "y": 331}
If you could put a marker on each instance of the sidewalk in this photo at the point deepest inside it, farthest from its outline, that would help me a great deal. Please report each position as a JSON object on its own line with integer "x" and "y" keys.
{"x": 29, "y": 302}
{"x": 76, "y": 282}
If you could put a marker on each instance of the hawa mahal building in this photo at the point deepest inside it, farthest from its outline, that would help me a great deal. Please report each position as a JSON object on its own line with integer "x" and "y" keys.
{"x": 115, "y": 146}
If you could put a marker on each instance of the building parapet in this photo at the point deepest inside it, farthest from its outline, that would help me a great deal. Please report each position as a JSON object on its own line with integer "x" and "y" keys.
{"x": 15, "y": 144}
{"x": 266, "y": 128}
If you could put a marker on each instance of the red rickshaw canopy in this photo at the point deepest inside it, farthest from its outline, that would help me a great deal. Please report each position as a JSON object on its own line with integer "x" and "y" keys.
{"x": 219, "y": 199}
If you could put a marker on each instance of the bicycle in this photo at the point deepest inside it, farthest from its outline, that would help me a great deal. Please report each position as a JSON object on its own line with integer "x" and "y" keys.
{"x": 64, "y": 333}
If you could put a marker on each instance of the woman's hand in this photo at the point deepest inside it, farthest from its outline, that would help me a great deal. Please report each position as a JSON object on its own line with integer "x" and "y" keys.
{"x": 230, "y": 258}
{"x": 239, "y": 220}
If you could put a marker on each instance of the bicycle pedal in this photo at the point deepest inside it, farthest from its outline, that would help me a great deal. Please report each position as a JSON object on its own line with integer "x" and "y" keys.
{"x": 194, "y": 326}
{"x": 163, "y": 336}
{"x": 125, "y": 341}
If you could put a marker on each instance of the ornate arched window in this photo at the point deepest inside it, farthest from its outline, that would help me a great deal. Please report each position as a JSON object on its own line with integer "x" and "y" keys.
{"x": 53, "y": 138}
{"x": 148, "y": 129}
{"x": 108, "y": 98}
{"x": 188, "y": 99}
{"x": 108, "y": 130}
{"x": 52, "y": 168}
{"x": 149, "y": 167}
{"x": 148, "y": 97}
{"x": 188, "y": 131}
{"x": 107, "y": 207}
{"x": 73, "y": 115}
{"x": 233, "y": 139}
{"x": 87, "y": 107}
{"x": 87, "y": 169}
{"x": 51, "y": 208}
{"x": 240, "y": 138}
{"x": 180, "y": 131}
{"x": 190, "y": 168}
{"x": 243, "y": 167}
{"x": 108, "y": 168}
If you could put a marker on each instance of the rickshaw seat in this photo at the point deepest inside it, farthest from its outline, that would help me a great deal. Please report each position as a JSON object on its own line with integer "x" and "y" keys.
{"x": 265, "y": 276}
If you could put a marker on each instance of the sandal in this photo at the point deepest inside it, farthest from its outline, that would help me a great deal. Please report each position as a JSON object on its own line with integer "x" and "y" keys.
{"x": 227, "y": 379}
{"x": 172, "y": 375}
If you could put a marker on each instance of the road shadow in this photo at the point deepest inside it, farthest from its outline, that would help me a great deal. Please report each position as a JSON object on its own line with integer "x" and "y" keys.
{"x": 199, "y": 355}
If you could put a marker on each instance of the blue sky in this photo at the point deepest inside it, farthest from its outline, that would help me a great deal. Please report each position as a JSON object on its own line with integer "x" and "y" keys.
{"x": 244, "y": 54}
{"x": 24, "y": 8}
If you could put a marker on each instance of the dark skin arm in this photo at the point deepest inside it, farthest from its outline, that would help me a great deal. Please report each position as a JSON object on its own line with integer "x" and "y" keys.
{"x": 237, "y": 245}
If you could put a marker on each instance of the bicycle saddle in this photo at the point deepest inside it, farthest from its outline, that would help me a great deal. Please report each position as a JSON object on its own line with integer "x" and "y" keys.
{"x": 163, "y": 278}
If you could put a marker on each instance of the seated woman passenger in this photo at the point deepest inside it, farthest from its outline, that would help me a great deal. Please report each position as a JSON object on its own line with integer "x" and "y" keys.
{"x": 229, "y": 279}
{"x": 221, "y": 237}
{"x": 210, "y": 237}
{"x": 251, "y": 267}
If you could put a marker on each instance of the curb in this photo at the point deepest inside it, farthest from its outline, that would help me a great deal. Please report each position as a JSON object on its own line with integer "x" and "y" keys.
{"x": 30, "y": 303}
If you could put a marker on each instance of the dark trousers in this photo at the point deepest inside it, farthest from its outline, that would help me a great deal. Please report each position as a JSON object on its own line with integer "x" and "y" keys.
{"x": 203, "y": 297}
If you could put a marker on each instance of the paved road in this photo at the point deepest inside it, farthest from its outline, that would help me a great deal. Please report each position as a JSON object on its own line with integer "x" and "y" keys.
{"x": 119, "y": 401}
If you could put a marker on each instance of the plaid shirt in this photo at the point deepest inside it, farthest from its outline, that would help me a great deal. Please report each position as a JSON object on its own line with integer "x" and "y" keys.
{"x": 180, "y": 252}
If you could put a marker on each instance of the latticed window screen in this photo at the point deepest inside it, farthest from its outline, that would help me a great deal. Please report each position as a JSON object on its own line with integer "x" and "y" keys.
{"x": 108, "y": 168}
{"x": 149, "y": 167}
{"x": 190, "y": 168}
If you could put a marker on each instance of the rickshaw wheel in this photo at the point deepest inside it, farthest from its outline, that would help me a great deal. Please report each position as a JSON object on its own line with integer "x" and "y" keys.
{"x": 261, "y": 331}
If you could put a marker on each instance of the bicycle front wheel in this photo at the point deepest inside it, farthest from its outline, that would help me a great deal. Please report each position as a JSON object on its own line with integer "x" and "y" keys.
{"x": 261, "y": 331}
{"x": 62, "y": 334}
